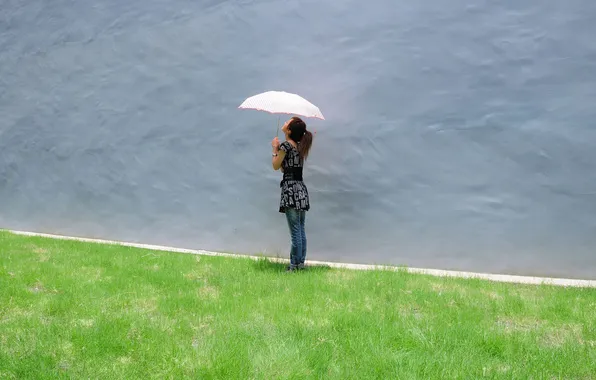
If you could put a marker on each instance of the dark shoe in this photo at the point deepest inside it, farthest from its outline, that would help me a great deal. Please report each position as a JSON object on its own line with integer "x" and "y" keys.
{"x": 301, "y": 267}
{"x": 291, "y": 269}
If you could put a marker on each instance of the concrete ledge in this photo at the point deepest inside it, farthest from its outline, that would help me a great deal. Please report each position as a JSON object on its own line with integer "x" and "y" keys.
{"x": 432, "y": 272}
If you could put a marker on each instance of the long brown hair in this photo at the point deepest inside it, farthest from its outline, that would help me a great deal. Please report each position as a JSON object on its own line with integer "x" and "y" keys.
{"x": 301, "y": 136}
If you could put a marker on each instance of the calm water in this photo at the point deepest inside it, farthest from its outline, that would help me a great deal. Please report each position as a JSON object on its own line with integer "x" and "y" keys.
{"x": 458, "y": 136}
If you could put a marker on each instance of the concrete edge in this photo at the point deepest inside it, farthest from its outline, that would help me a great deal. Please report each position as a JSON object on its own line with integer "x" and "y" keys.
{"x": 432, "y": 272}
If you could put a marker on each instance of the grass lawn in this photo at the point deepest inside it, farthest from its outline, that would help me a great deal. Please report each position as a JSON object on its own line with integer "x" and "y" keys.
{"x": 81, "y": 310}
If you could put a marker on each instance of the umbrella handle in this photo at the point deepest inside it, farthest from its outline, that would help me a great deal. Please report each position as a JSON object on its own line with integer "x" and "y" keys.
{"x": 277, "y": 133}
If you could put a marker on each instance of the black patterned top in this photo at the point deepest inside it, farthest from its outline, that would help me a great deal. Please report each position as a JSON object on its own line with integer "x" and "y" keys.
{"x": 294, "y": 193}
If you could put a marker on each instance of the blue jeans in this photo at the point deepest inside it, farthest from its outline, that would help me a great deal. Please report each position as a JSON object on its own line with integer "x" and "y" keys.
{"x": 296, "y": 221}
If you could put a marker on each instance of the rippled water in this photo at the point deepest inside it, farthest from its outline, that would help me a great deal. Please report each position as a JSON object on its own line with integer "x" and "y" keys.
{"x": 458, "y": 136}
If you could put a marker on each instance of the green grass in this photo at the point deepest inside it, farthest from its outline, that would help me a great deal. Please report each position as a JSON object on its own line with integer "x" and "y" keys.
{"x": 79, "y": 310}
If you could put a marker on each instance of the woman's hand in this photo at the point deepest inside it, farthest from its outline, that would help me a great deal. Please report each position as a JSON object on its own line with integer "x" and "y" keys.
{"x": 275, "y": 144}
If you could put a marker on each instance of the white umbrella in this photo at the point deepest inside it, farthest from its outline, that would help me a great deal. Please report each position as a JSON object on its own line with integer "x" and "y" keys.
{"x": 280, "y": 102}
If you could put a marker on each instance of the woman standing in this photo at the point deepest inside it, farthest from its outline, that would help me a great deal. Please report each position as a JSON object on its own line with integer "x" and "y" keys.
{"x": 290, "y": 156}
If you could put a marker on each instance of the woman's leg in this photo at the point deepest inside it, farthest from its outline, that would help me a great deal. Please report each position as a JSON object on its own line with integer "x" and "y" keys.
{"x": 293, "y": 218}
{"x": 303, "y": 235}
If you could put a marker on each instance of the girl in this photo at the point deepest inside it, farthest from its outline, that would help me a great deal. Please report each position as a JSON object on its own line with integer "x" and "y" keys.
{"x": 290, "y": 156}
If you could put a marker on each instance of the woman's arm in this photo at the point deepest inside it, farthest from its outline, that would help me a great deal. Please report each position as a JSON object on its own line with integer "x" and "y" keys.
{"x": 278, "y": 154}
{"x": 278, "y": 158}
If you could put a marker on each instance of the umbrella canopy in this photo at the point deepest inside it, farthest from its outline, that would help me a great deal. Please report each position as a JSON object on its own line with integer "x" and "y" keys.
{"x": 280, "y": 102}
